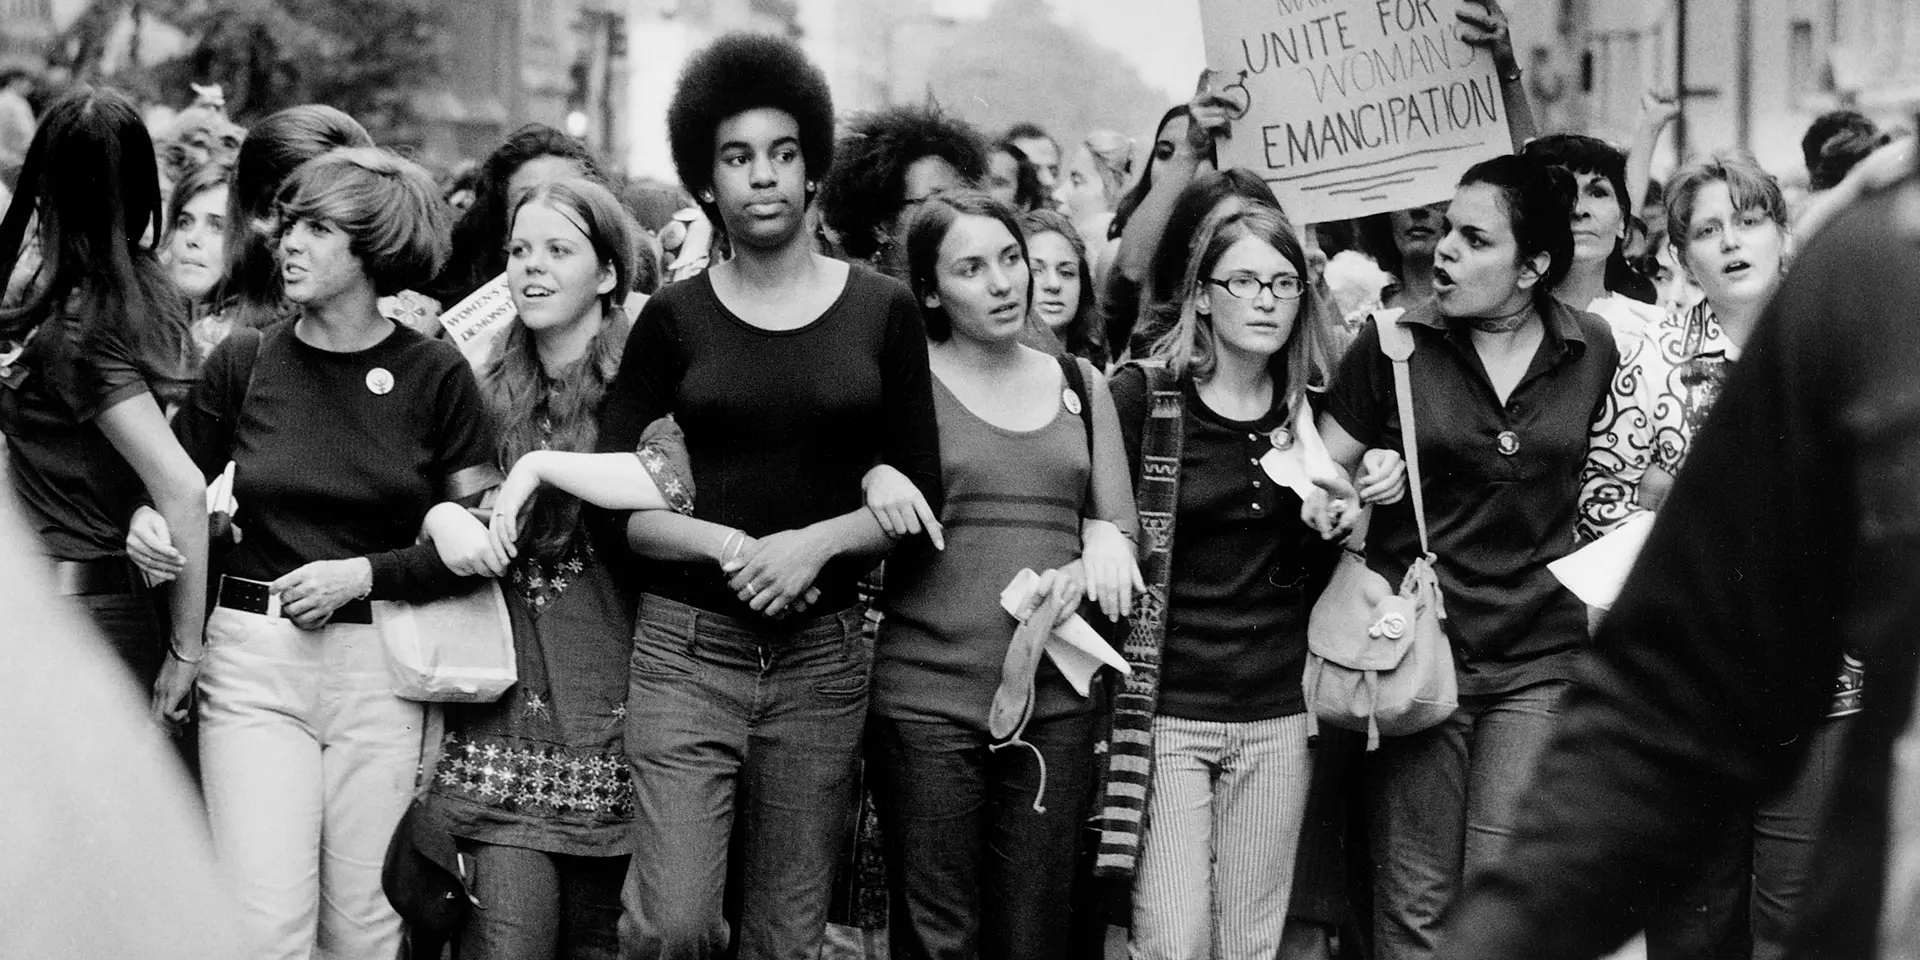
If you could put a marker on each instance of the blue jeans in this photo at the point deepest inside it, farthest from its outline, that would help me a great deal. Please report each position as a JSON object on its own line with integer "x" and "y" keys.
{"x": 1440, "y": 808}
{"x": 739, "y": 732}
{"x": 976, "y": 872}
{"x": 1753, "y": 876}
{"x": 535, "y": 905}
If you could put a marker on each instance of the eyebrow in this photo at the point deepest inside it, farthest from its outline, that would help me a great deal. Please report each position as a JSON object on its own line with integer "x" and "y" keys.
{"x": 743, "y": 145}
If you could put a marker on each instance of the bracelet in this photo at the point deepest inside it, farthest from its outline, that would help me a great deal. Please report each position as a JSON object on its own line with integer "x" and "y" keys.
{"x": 726, "y": 546}
{"x": 175, "y": 653}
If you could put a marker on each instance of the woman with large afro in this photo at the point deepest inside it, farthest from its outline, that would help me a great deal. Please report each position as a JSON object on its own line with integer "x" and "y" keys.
{"x": 888, "y": 163}
{"x": 792, "y": 374}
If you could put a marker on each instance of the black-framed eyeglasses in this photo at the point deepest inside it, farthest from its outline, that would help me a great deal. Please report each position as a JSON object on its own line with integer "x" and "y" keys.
{"x": 1287, "y": 286}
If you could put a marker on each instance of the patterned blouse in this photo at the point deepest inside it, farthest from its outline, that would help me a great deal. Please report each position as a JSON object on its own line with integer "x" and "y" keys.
{"x": 1666, "y": 384}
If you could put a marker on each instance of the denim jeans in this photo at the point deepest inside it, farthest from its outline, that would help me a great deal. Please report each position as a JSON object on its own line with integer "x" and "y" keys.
{"x": 1754, "y": 874}
{"x": 744, "y": 732}
{"x": 1223, "y": 825}
{"x": 307, "y": 760}
{"x": 975, "y": 870}
{"x": 1440, "y": 808}
{"x": 131, "y": 625}
{"x": 533, "y": 905}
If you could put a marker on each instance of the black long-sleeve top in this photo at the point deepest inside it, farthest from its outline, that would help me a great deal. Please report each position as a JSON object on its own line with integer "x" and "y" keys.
{"x": 780, "y": 425}
{"x": 340, "y": 455}
{"x": 1792, "y": 534}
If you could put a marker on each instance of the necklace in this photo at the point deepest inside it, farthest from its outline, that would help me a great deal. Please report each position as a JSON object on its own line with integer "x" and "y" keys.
{"x": 1506, "y": 324}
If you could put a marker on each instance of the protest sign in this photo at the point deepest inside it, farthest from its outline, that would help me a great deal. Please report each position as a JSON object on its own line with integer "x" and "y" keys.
{"x": 1353, "y": 107}
{"x": 475, "y": 323}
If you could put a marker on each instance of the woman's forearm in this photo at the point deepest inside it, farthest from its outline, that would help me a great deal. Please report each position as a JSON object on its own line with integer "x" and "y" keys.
{"x": 666, "y": 535}
{"x": 1149, "y": 221}
{"x": 611, "y": 481}
{"x": 184, "y": 505}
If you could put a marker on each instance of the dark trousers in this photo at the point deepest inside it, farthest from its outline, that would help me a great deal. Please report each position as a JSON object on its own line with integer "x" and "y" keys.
{"x": 130, "y": 623}
{"x": 541, "y": 906}
{"x": 976, "y": 871}
{"x": 743, "y": 739}
{"x": 1441, "y": 805}
{"x": 1754, "y": 874}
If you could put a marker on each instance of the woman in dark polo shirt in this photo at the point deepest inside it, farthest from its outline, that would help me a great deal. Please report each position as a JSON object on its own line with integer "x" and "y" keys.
{"x": 1506, "y": 382}
{"x": 85, "y": 358}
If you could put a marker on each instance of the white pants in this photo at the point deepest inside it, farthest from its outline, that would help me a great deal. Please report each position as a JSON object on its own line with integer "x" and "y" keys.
{"x": 1223, "y": 825}
{"x": 308, "y": 763}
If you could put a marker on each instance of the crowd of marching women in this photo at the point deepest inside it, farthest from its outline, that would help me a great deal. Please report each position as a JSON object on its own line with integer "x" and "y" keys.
{"x": 924, "y": 531}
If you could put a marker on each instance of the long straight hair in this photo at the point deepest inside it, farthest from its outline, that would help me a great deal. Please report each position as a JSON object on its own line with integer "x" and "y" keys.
{"x": 1187, "y": 348}
{"x": 537, "y": 411}
{"x": 91, "y": 178}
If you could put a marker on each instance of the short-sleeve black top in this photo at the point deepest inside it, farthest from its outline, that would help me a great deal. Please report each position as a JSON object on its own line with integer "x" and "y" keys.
{"x": 1502, "y": 484}
{"x": 75, "y": 489}
{"x": 780, "y": 425}
{"x": 339, "y": 454}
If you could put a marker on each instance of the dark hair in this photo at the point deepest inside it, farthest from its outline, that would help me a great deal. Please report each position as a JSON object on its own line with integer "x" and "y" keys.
{"x": 737, "y": 73}
{"x": 1028, "y": 194}
{"x": 480, "y": 236}
{"x": 91, "y": 177}
{"x": 1196, "y": 201}
{"x": 536, "y": 411}
{"x": 389, "y": 208}
{"x": 273, "y": 149}
{"x": 1130, "y": 201}
{"x": 653, "y": 202}
{"x": 1579, "y": 154}
{"x": 1028, "y": 130}
{"x": 1538, "y": 199}
{"x": 868, "y": 186}
{"x": 1085, "y": 333}
{"x": 1834, "y": 142}
{"x": 929, "y": 231}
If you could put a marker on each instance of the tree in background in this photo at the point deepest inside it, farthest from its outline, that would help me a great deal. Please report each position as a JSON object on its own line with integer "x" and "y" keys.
{"x": 1018, "y": 64}
{"x": 367, "y": 57}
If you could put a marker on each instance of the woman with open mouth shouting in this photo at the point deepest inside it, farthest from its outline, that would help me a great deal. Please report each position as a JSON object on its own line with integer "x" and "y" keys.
{"x": 1506, "y": 382}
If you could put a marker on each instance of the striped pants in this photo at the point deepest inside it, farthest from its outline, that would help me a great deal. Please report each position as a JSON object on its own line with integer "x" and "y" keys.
{"x": 1223, "y": 824}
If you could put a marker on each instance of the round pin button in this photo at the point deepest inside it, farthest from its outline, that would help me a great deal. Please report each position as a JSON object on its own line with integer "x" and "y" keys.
{"x": 1071, "y": 400}
{"x": 1508, "y": 442}
{"x": 380, "y": 381}
{"x": 1281, "y": 438}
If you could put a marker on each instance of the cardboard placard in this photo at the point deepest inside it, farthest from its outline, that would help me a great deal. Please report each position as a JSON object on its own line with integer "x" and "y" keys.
{"x": 1353, "y": 107}
{"x": 475, "y": 323}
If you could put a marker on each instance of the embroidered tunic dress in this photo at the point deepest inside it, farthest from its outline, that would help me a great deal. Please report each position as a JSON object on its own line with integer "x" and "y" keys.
{"x": 544, "y": 766}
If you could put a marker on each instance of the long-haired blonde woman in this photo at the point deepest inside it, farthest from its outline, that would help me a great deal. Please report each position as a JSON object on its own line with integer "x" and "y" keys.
{"x": 1229, "y": 756}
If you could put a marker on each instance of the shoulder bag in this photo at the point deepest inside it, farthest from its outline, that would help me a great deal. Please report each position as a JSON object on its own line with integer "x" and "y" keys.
{"x": 1377, "y": 658}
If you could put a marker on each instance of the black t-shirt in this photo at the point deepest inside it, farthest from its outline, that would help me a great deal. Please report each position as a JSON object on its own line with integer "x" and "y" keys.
{"x": 76, "y": 490}
{"x": 780, "y": 425}
{"x": 1502, "y": 484}
{"x": 340, "y": 455}
{"x": 1245, "y": 569}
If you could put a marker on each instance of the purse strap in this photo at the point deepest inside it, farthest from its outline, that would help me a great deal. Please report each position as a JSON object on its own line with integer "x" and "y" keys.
{"x": 1396, "y": 342}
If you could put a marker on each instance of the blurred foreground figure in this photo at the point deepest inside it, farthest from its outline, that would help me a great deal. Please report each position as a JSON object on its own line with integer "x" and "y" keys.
{"x": 1793, "y": 534}
{"x": 103, "y": 853}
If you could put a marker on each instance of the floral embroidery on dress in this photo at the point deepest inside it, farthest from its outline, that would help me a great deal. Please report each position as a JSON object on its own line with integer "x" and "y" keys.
{"x": 541, "y": 582}
{"x": 547, "y": 780}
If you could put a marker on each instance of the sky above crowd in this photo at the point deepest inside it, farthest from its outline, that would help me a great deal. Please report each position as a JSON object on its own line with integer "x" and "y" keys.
{"x": 1159, "y": 38}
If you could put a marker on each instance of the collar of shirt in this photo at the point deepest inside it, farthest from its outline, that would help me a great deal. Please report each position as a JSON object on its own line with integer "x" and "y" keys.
{"x": 1561, "y": 324}
{"x": 1700, "y": 335}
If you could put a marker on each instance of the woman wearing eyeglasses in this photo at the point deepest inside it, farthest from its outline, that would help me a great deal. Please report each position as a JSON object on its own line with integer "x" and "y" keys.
{"x": 1229, "y": 756}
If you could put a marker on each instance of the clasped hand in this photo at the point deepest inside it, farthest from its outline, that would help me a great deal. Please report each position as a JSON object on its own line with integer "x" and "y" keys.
{"x": 774, "y": 574}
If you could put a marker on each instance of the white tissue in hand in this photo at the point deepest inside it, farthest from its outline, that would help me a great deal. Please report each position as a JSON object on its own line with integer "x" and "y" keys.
{"x": 1075, "y": 648}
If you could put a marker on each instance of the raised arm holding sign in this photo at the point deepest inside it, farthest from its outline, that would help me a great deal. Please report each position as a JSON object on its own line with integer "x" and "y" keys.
{"x": 1353, "y": 107}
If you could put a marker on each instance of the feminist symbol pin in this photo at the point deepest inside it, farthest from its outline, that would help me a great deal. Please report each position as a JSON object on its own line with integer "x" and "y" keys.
{"x": 380, "y": 381}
